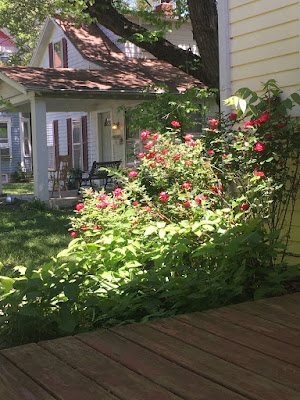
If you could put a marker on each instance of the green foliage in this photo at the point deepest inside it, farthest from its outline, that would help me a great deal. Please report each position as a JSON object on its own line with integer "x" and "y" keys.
{"x": 185, "y": 231}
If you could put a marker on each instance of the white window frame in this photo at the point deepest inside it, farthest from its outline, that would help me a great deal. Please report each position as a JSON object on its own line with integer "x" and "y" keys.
{"x": 61, "y": 54}
{"x": 8, "y": 122}
{"x": 75, "y": 121}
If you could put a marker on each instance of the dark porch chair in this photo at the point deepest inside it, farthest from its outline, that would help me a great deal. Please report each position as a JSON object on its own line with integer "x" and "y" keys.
{"x": 99, "y": 172}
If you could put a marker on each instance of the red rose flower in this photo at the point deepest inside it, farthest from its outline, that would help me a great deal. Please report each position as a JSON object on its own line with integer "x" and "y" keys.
{"x": 153, "y": 164}
{"x": 186, "y": 185}
{"x": 165, "y": 151}
{"x": 177, "y": 156}
{"x": 151, "y": 155}
{"x": 83, "y": 228}
{"x": 132, "y": 173}
{"x": 232, "y": 116}
{"x": 211, "y": 152}
{"x": 96, "y": 227}
{"x": 259, "y": 146}
{"x": 167, "y": 164}
{"x": 280, "y": 125}
{"x": 176, "y": 124}
{"x": 114, "y": 205}
{"x": 147, "y": 209}
{"x": 198, "y": 200}
{"x": 245, "y": 207}
{"x": 141, "y": 155}
{"x": 248, "y": 123}
{"x": 213, "y": 121}
{"x": 202, "y": 197}
{"x": 189, "y": 162}
{"x": 188, "y": 137}
{"x": 117, "y": 192}
{"x": 269, "y": 137}
{"x": 259, "y": 173}
{"x": 187, "y": 204}
{"x": 144, "y": 135}
{"x": 149, "y": 145}
{"x": 193, "y": 144}
{"x": 102, "y": 196}
{"x": 159, "y": 159}
{"x": 163, "y": 196}
{"x": 79, "y": 206}
{"x": 224, "y": 155}
{"x": 213, "y": 127}
{"x": 136, "y": 203}
{"x": 73, "y": 234}
{"x": 155, "y": 136}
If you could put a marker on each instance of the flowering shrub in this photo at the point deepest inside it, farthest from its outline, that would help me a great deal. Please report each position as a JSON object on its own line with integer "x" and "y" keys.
{"x": 184, "y": 231}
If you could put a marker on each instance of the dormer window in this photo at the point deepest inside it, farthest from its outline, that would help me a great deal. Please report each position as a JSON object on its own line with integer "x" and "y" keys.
{"x": 58, "y": 54}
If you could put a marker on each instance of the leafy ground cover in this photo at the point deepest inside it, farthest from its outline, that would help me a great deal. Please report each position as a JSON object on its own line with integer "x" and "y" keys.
{"x": 30, "y": 235}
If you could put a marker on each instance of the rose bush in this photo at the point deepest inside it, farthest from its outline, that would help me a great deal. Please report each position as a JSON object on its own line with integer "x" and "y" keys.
{"x": 184, "y": 231}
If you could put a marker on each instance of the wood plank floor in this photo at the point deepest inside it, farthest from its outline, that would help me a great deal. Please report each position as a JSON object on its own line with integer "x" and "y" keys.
{"x": 245, "y": 351}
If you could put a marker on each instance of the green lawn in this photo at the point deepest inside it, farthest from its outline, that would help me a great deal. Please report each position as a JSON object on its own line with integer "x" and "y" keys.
{"x": 17, "y": 188}
{"x": 29, "y": 235}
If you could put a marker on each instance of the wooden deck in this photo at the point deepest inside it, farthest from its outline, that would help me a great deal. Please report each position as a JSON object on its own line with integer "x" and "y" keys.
{"x": 245, "y": 351}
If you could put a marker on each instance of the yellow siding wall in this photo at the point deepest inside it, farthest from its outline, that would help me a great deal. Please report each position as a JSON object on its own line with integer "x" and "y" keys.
{"x": 264, "y": 44}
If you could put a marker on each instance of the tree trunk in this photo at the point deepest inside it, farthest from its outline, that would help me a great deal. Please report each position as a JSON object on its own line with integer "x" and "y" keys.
{"x": 204, "y": 18}
{"x": 107, "y": 15}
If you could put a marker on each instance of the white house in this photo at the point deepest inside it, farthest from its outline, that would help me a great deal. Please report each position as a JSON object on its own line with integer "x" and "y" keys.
{"x": 76, "y": 81}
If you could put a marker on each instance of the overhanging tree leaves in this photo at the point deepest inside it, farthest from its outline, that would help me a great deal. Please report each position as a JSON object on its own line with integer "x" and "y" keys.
{"x": 113, "y": 14}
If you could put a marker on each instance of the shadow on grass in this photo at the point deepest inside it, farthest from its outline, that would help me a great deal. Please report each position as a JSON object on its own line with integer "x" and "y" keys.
{"x": 32, "y": 236}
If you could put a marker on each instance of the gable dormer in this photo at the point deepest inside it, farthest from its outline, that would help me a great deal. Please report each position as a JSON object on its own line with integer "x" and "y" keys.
{"x": 58, "y": 53}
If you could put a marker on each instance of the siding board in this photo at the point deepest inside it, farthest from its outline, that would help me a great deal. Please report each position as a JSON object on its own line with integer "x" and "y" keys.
{"x": 260, "y": 22}
{"x": 252, "y": 10}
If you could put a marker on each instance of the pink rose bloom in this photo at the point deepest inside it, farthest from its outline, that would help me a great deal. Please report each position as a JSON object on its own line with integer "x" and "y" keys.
{"x": 189, "y": 162}
{"x": 224, "y": 155}
{"x": 213, "y": 121}
{"x": 155, "y": 136}
{"x": 159, "y": 159}
{"x": 259, "y": 146}
{"x": 211, "y": 152}
{"x": 198, "y": 200}
{"x": 248, "y": 123}
{"x": 202, "y": 197}
{"x": 73, "y": 234}
{"x": 165, "y": 151}
{"x": 153, "y": 164}
{"x": 187, "y": 204}
{"x": 175, "y": 124}
{"x": 149, "y": 145}
{"x": 102, "y": 196}
{"x": 141, "y": 155}
{"x": 188, "y": 137}
{"x": 144, "y": 135}
{"x": 163, "y": 196}
{"x": 193, "y": 144}
{"x": 186, "y": 185}
{"x": 136, "y": 203}
{"x": 79, "y": 206}
{"x": 213, "y": 127}
{"x": 132, "y": 173}
{"x": 117, "y": 192}
{"x": 147, "y": 209}
{"x": 232, "y": 116}
{"x": 177, "y": 156}
{"x": 259, "y": 173}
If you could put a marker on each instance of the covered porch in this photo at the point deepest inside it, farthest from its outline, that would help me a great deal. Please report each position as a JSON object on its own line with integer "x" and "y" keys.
{"x": 39, "y": 91}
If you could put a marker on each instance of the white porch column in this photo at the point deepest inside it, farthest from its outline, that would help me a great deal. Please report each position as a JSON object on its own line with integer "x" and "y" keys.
{"x": 39, "y": 149}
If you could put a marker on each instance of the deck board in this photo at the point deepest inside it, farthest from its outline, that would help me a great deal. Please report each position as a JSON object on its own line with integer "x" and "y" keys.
{"x": 249, "y": 351}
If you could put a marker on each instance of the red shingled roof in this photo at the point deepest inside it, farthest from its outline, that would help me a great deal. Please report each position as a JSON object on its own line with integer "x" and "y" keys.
{"x": 116, "y": 78}
{"x": 91, "y": 42}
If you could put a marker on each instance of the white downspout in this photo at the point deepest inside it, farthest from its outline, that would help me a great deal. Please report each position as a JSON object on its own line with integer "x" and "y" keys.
{"x": 224, "y": 53}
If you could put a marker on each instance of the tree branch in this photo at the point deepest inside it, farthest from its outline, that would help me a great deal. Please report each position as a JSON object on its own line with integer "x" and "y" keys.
{"x": 107, "y": 15}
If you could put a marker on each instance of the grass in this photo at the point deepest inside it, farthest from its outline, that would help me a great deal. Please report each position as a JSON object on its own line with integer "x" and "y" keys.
{"x": 31, "y": 235}
{"x": 17, "y": 188}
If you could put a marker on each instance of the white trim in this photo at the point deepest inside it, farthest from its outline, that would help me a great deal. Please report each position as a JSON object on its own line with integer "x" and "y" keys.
{"x": 224, "y": 52}
{"x": 36, "y": 52}
{"x": 8, "y": 121}
{"x": 13, "y": 83}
